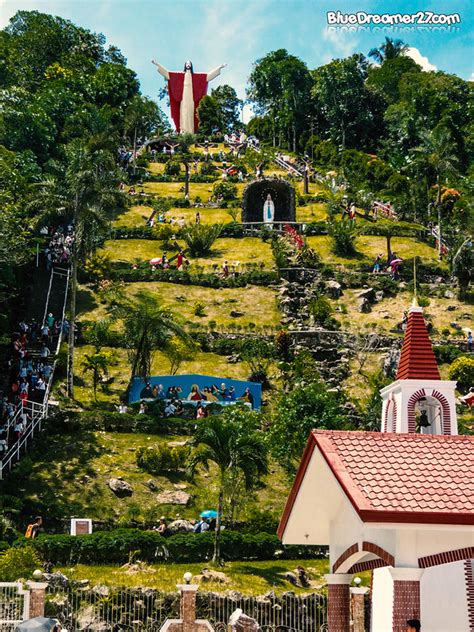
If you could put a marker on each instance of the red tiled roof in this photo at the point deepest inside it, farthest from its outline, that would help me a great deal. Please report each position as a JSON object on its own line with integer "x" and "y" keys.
{"x": 390, "y": 477}
{"x": 417, "y": 360}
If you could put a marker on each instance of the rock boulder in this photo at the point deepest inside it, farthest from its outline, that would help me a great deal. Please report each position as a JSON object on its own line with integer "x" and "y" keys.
{"x": 120, "y": 487}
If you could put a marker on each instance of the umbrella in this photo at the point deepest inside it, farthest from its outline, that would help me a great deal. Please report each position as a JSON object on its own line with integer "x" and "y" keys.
{"x": 395, "y": 262}
{"x": 155, "y": 261}
{"x": 38, "y": 624}
{"x": 209, "y": 513}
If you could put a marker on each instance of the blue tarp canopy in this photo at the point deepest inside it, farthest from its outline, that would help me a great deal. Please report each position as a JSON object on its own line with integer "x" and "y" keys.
{"x": 186, "y": 382}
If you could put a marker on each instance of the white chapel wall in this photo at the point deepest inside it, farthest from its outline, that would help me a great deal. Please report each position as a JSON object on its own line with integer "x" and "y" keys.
{"x": 443, "y": 599}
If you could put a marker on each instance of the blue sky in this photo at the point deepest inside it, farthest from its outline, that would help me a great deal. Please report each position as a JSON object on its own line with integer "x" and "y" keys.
{"x": 210, "y": 32}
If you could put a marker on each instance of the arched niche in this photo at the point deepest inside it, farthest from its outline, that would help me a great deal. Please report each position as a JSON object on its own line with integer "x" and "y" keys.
{"x": 283, "y": 196}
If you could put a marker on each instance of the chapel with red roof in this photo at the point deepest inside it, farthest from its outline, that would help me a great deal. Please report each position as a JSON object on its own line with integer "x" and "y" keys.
{"x": 399, "y": 503}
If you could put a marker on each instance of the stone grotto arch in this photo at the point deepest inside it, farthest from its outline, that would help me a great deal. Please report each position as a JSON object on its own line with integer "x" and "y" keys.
{"x": 283, "y": 195}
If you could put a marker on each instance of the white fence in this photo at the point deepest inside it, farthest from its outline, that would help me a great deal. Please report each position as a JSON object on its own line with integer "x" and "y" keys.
{"x": 14, "y": 605}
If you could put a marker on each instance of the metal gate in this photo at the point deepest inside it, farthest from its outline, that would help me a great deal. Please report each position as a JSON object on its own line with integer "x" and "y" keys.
{"x": 14, "y": 605}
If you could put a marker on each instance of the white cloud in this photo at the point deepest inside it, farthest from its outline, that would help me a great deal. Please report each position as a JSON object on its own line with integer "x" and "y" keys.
{"x": 342, "y": 43}
{"x": 415, "y": 54}
{"x": 471, "y": 78}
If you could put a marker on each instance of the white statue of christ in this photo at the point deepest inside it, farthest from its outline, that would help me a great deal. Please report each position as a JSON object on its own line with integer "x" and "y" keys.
{"x": 268, "y": 210}
{"x": 185, "y": 90}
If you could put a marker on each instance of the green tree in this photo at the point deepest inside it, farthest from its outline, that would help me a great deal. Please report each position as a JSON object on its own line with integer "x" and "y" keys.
{"x": 229, "y": 106}
{"x": 385, "y": 79}
{"x": 98, "y": 365}
{"x": 178, "y": 351}
{"x": 390, "y": 49}
{"x": 296, "y": 415}
{"x": 462, "y": 265}
{"x": 436, "y": 155}
{"x": 143, "y": 119}
{"x": 209, "y": 116}
{"x": 85, "y": 193}
{"x": 350, "y": 115}
{"x": 428, "y": 100}
{"x": 233, "y": 442}
{"x": 280, "y": 87}
{"x": 147, "y": 327}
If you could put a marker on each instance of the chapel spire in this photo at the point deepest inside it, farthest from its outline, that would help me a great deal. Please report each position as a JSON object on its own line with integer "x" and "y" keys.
{"x": 417, "y": 358}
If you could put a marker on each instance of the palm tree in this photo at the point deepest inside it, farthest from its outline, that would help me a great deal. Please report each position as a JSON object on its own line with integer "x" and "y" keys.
{"x": 83, "y": 194}
{"x": 390, "y": 49}
{"x": 98, "y": 364}
{"x": 234, "y": 444}
{"x": 148, "y": 326}
{"x": 435, "y": 154}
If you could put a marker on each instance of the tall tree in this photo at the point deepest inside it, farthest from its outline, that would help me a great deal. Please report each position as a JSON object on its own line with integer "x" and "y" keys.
{"x": 84, "y": 194}
{"x": 436, "y": 155}
{"x": 280, "y": 87}
{"x": 209, "y": 116}
{"x": 390, "y": 49}
{"x": 148, "y": 327}
{"x": 234, "y": 443}
{"x": 350, "y": 114}
{"x": 229, "y": 106}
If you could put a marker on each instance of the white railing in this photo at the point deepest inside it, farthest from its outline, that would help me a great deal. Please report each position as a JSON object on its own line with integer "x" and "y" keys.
{"x": 293, "y": 169}
{"x": 14, "y": 605}
{"x": 35, "y": 414}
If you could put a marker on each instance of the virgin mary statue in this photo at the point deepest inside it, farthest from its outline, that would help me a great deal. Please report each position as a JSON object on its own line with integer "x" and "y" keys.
{"x": 268, "y": 210}
{"x": 185, "y": 90}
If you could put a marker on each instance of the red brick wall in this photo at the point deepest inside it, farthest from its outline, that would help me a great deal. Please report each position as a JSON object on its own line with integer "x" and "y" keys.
{"x": 406, "y": 603}
{"x": 338, "y": 608}
{"x": 37, "y": 597}
{"x": 469, "y": 577}
{"x": 344, "y": 556}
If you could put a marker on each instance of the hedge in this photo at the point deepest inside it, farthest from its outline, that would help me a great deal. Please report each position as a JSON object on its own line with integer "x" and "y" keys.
{"x": 114, "y": 547}
{"x": 69, "y": 422}
{"x": 204, "y": 279}
{"x": 232, "y": 229}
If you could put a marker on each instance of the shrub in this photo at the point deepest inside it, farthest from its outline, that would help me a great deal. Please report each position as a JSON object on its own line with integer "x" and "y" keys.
{"x": 200, "y": 238}
{"x": 97, "y": 267}
{"x": 462, "y": 370}
{"x": 172, "y": 168}
{"x": 199, "y": 308}
{"x": 225, "y": 190}
{"x": 162, "y": 458}
{"x": 446, "y": 354}
{"x": 208, "y": 169}
{"x": 343, "y": 235}
{"x": 18, "y": 563}
{"x": 321, "y": 310}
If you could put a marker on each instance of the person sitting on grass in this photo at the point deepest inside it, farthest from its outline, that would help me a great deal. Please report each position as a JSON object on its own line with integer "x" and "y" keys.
{"x": 162, "y": 527}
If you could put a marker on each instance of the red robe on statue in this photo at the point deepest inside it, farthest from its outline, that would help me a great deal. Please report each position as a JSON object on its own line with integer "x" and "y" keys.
{"x": 175, "y": 91}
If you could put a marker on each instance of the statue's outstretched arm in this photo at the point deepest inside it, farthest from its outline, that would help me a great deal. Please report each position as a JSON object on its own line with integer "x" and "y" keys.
{"x": 161, "y": 69}
{"x": 216, "y": 72}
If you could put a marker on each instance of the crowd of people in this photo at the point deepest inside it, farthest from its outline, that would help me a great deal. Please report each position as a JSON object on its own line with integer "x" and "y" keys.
{"x": 31, "y": 351}
{"x": 58, "y": 251}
